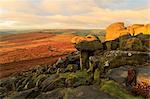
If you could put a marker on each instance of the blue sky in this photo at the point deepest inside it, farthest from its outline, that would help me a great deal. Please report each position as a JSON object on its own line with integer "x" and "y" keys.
{"x": 29, "y": 14}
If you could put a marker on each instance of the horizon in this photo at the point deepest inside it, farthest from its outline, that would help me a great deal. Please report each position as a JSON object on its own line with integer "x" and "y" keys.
{"x": 71, "y": 14}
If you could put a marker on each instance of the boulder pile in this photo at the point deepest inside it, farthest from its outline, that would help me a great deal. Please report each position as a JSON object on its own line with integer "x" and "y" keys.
{"x": 97, "y": 69}
{"x": 118, "y": 29}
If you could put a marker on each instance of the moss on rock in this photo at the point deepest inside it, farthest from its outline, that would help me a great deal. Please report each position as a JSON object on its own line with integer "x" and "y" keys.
{"x": 115, "y": 89}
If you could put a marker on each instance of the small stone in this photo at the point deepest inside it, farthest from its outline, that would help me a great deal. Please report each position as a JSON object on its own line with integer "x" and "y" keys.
{"x": 106, "y": 63}
{"x": 129, "y": 54}
{"x": 72, "y": 67}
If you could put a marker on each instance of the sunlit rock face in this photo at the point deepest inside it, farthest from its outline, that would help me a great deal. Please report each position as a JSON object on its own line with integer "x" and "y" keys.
{"x": 139, "y": 28}
{"x": 115, "y": 30}
{"x": 118, "y": 29}
{"x": 78, "y": 39}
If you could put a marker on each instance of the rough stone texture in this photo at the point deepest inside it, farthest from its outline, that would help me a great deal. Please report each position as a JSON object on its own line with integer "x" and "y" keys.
{"x": 78, "y": 39}
{"x": 117, "y": 29}
{"x": 114, "y": 59}
{"x": 127, "y": 42}
{"x": 139, "y": 28}
{"x": 86, "y": 92}
{"x": 145, "y": 39}
{"x": 48, "y": 81}
{"x": 86, "y": 48}
{"x": 31, "y": 93}
{"x": 98, "y": 61}
{"x": 132, "y": 44}
{"x": 120, "y": 74}
{"x": 55, "y": 94}
{"x": 89, "y": 45}
{"x": 84, "y": 60}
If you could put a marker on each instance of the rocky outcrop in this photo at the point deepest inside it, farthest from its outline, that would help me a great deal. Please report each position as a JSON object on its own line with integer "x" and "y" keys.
{"x": 43, "y": 81}
{"x": 139, "y": 28}
{"x": 120, "y": 74}
{"x": 115, "y": 30}
{"x": 86, "y": 48}
{"x": 87, "y": 92}
{"x": 93, "y": 64}
{"x": 78, "y": 39}
{"x": 127, "y": 42}
{"x": 118, "y": 29}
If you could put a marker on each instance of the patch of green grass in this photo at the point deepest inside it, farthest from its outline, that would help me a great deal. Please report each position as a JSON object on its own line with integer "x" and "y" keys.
{"x": 75, "y": 74}
{"x": 115, "y": 89}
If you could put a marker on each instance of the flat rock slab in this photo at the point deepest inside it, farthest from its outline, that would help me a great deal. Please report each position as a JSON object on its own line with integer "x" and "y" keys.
{"x": 86, "y": 92}
{"x": 119, "y": 74}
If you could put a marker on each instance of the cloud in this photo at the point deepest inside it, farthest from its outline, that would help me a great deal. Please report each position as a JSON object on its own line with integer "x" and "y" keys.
{"x": 68, "y": 13}
{"x": 67, "y": 7}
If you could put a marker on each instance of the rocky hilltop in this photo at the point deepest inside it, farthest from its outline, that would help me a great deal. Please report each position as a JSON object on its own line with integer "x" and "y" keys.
{"x": 114, "y": 69}
{"x": 118, "y": 29}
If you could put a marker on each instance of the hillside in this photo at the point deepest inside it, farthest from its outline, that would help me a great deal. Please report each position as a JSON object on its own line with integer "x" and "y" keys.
{"x": 31, "y": 49}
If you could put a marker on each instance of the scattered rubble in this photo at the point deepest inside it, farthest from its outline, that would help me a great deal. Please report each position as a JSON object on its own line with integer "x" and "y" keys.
{"x": 92, "y": 72}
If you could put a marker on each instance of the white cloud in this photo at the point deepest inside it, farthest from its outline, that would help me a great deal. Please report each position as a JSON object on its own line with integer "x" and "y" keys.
{"x": 65, "y": 14}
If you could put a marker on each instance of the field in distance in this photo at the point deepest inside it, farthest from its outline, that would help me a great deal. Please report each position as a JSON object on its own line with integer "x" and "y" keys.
{"x": 21, "y": 51}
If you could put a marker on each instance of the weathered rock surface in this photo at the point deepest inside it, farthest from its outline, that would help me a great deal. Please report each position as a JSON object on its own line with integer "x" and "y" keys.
{"x": 86, "y": 48}
{"x": 78, "y": 39}
{"x": 118, "y": 29}
{"x": 120, "y": 74}
{"x": 89, "y": 45}
{"x": 114, "y": 59}
{"x": 115, "y": 30}
{"x": 71, "y": 77}
{"x": 31, "y": 93}
{"x": 127, "y": 42}
{"x": 55, "y": 94}
{"x": 86, "y": 92}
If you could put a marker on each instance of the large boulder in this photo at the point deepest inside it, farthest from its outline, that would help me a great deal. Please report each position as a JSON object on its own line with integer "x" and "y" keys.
{"x": 86, "y": 92}
{"x": 78, "y": 39}
{"x": 145, "y": 39}
{"x": 52, "y": 82}
{"x": 118, "y": 29}
{"x": 114, "y": 59}
{"x": 138, "y": 28}
{"x": 115, "y": 30}
{"x": 142, "y": 78}
{"x": 86, "y": 47}
{"x": 132, "y": 44}
{"x": 54, "y": 94}
{"x": 89, "y": 45}
{"x": 27, "y": 94}
{"x": 139, "y": 42}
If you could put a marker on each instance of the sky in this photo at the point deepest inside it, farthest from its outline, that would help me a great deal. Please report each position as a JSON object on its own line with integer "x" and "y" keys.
{"x": 71, "y": 14}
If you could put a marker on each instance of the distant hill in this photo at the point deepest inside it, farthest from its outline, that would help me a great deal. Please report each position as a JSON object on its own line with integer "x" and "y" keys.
{"x": 82, "y": 32}
{"x": 14, "y": 31}
{"x": 56, "y": 31}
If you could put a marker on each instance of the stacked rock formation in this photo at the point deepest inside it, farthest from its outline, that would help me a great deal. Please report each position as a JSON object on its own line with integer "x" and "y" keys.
{"x": 86, "y": 45}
